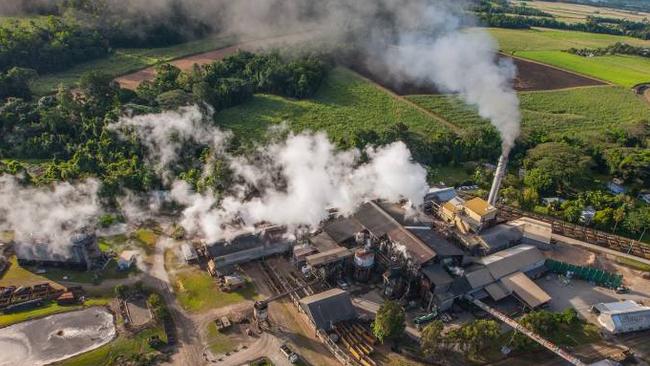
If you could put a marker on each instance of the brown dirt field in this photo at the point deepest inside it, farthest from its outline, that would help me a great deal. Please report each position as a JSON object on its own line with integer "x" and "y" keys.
{"x": 132, "y": 80}
{"x": 531, "y": 76}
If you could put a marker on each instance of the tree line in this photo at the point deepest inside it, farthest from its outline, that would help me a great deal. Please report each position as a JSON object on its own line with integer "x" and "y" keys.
{"x": 592, "y": 24}
{"x": 76, "y": 31}
{"x": 618, "y": 48}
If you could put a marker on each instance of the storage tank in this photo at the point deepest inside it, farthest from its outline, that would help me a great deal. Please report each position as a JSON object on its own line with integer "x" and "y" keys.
{"x": 364, "y": 260}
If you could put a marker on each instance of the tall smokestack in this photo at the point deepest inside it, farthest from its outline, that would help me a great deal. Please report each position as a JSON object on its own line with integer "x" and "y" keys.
{"x": 499, "y": 173}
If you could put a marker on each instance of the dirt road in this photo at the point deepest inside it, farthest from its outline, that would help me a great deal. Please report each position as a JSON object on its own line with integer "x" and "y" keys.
{"x": 131, "y": 81}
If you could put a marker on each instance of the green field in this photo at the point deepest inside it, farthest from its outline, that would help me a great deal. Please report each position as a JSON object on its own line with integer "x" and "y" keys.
{"x": 344, "y": 104}
{"x": 218, "y": 342}
{"x": 585, "y": 112}
{"x": 546, "y": 46}
{"x": 127, "y": 60}
{"x": 115, "y": 352}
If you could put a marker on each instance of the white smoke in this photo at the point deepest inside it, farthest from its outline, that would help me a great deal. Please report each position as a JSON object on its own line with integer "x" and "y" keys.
{"x": 164, "y": 134}
{"x": 313, "y": 177}
{"x": 48, "y": 215}
{"x": 464, "y": 63}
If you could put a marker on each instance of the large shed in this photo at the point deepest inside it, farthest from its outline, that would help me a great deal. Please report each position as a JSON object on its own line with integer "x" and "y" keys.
{"x": 328, "y": 308}
{"x": 622, "y": 317}
{"x": 523, "y": 257}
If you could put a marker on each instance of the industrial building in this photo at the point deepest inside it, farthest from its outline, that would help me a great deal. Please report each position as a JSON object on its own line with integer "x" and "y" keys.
{"x": 247, "y": 247}
{"x": 622, "y": 317}
{"x": 82, "y": 252}
{"x": 414, "y": 261}
{"x": 327, "y": 308}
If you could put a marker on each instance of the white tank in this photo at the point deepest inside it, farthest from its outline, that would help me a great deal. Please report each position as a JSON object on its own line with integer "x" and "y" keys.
{"x": 364, "y": 258}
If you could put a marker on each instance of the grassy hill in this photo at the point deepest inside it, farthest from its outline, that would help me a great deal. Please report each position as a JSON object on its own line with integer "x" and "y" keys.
{"x": 546, "y": 46}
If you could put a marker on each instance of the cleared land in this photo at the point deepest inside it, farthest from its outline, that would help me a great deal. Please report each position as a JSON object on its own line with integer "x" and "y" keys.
{"x": 132, "y": 80}
{"x": 586, "y": 111}
{"x": 576, "y": 13}
{"x": 344, "y": 104}
{"x": 546, "y": 46}
{"x": 197, "y": 291}
{"x": 126, "y": 60}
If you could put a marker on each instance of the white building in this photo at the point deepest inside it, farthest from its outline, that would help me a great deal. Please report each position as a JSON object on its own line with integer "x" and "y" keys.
{"x": 622, "y": 317}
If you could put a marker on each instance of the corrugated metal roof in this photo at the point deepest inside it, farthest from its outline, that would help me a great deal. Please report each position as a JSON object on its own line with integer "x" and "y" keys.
{"x": 479, "y": 277}
{"x": 525, "y": 289}
{"x": 497, "y": 291}
{"x": 437, "y": 275}
{"x": 329, "y": 256}
{"x": 417, "y": 250}
{"x": 343, "y": 229}
{"x": 329, "y": 307}
{"x": 373, "y": 218}
{"x": 323, "y": 242}
{"x": 479, "y": 206}
{"x": 501, "y": 236}
{"x": 440, "y": 245}
{"x": 517, "y": 258}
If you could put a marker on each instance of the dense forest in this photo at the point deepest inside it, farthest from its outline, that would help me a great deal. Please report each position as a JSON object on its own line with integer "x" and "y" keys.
{"x": 70, "y": 131}
{"x": 76, "y": 31}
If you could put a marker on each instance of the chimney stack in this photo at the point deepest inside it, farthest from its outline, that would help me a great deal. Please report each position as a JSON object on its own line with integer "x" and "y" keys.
{"x": 499, "y": 173}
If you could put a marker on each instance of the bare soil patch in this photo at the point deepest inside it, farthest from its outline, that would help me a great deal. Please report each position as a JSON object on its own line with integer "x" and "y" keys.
{"x": 132, "y": 80}
{"x": 531, "y": 76}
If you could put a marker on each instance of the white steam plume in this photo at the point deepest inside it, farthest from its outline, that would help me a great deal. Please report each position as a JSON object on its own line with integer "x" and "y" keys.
{"x": 164, "y": 134}
{"x": 314, "y": 177}
{"x": 464, "y": 63}
{"x": 49, "y": 215}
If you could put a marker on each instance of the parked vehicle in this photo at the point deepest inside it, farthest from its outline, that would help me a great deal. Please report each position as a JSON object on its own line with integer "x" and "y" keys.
{"x": 288, "y": 353}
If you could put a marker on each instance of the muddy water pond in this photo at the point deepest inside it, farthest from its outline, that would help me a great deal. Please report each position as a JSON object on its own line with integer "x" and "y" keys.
{"x": 56, "y": 337}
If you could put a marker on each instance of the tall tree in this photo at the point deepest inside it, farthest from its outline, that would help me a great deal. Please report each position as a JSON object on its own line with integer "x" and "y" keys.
{"x": 431, "y": 339}
{"x": 389, "y": 322}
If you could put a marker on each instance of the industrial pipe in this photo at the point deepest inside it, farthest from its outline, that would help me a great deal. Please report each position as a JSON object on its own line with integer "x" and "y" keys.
{"x": 499, "y": 173}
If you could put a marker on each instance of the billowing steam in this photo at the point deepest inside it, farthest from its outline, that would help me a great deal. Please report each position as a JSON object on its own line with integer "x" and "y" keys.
{"x": 313, "y": 177}
{"x": 292, "y": 182}
{"x": 464, "y": 63}
{"x": 49, "y": 215}
{"x": 164, "y": 134}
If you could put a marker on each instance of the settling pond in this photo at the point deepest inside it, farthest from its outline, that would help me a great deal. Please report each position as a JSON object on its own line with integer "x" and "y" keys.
{"x": 56, "y": 337}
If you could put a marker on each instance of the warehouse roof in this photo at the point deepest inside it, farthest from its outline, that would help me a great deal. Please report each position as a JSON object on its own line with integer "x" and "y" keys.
{"x": 376, "y": 220}
{"x": 329, "y": 307}
{"x": 497, "y": 291}
{"x": 437, "y": 275}
{"x": 443, "y": 194}
{"x": 517, "y": 258}
{"x": 500, "y": 236}
{"x": 525, "y": 289}
{"x": 440, "y": 245}
{"x": 478, "y": 276}
{"x": 404, "y": 217}
{"x": 323, "y": 242}
{"x": 479, "y": 206}
{"x": 343, "y": 228}
{"x": 329, "y": 256}
{"x": 416, "y": 249}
